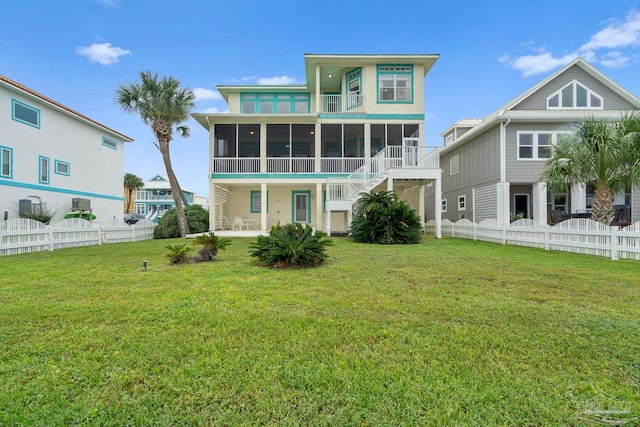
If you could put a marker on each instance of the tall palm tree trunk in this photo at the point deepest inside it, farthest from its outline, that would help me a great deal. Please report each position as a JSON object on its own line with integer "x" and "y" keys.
{"x": 129, "y": 200}
{"x": 175, "y": 188}
{"x": 603, "y": 210}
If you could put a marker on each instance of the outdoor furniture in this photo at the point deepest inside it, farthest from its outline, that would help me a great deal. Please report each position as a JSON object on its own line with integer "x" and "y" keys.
{"x": 238, "y": 223}
{"x": 556, "y": 216}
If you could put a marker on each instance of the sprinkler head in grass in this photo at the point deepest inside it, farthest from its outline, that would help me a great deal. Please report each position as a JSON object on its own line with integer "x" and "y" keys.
{"x": 145, "y": 265}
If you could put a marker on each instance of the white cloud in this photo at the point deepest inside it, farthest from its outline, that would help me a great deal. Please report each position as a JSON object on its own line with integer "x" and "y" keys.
{"x": 213, "y": 110}
{"x": 281, "y": 80}
{"x": 203, "y": 94}
{"x": 102, "y": 53}
{"x": 246, "y": 79}
{"x": 540, "y": 63}
{"x": 617, "y": 34}
{"x": 614, "y": 60}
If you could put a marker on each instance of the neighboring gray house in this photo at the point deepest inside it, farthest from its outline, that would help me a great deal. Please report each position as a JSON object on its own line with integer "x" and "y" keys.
{"x": 491, "y": 165}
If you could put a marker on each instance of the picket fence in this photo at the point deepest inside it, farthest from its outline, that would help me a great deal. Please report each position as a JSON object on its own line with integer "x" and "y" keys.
{"x": 579, "y": 235}
{"x": 20, "y": 235}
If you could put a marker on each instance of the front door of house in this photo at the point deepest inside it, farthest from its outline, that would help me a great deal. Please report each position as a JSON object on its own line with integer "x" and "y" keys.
{"x": 410, "y": 151}
{"x": 301, "y": 207}
{"x": 521, "y": 205}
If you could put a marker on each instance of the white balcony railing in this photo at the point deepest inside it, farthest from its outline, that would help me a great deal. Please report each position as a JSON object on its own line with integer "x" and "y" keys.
{"x": 342, "y": 104}
{"x": 290, "y": 165}
{"x": 236, "y": 165}
{"x": 340, "y": 164}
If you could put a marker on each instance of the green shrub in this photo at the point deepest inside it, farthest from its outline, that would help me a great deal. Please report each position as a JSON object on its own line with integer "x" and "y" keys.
{"x": 44, "y": 217}
{"x": 381, "y": 218}
{"x": 178, "y": 254}
{"x": 211, "y": 244}
{"x": 291, "y": 245}
{"x": 167, "y": 227}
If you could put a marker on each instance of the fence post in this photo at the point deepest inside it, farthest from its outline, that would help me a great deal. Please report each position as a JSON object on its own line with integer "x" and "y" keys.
{"x": 614, "y": 244}
{"x": 99, "y": 236}
{"x": 504, "y": 234}
{"x": 453, "y": 231}
{"x": 133, "y": 232}
{"x": 474, "y": 231}
{"x": 546, "y": 240}
{"x": 50, "y": 238}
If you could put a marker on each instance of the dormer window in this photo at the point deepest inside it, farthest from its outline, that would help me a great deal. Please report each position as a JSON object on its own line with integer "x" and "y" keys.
{"x": 574, "y": 95}
{"x": 449, "y": 139}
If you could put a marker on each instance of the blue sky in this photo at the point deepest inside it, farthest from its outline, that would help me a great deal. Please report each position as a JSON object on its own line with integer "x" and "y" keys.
{"x": 78, "y": 51}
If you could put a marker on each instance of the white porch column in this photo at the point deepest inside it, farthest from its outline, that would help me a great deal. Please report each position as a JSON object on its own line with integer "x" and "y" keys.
{"x": 579, "y": 198}
{"x": 367, "y": 142}
{"x": 318, "y": 149}
{"x": 438, "y": 207}
{"x": 421, "y": 197}
{"x": 318, "y": 96}
{"x": 389, "y": 183}
{"x": 263, "y": 204}
{"x": 263, "y": 148}
{"x": 348, "y": 219}
{"x": 540, "y": 202}
{"x": 327, "y": 221}
{"x": 503, "y": 205}
{"x": 319, "y": 200}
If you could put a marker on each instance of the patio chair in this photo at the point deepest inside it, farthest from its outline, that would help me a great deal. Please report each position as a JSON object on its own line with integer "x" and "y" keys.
{"x": 238, "y": 223}
{"x": 555, "y": 216}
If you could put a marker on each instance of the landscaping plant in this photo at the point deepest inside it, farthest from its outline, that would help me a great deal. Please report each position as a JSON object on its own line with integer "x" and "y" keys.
{"x": 381, "y": 218}
{"x": 291, "y": 245}
{"x": 178, "y": 253}
{"x": 168, "y": 228}
{"x": 210, "y": 246}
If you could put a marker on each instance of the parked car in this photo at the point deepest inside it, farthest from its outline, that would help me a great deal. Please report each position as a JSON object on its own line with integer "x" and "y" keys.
{"x": 132, "y": 218}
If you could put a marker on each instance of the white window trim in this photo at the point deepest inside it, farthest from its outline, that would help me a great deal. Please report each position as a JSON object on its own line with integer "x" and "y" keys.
{"x": 575, "y": 98}
{"x": 462, "y": 202}
{"x": 534, "y": 147}
{"x": 444, "y": 205}
{"x": 448, "y": 139}
{"x": 457, "y": 163}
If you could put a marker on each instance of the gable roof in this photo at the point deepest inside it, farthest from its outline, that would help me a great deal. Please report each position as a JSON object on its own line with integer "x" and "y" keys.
{"x": 462, "y": 123}
{"x": 160, "y": 182}
{"x": 56, "y": 105}
{"x": 506, "y": 112}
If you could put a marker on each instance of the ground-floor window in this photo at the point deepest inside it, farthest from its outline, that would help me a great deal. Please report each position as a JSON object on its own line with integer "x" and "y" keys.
{"x": 141, "y": 209}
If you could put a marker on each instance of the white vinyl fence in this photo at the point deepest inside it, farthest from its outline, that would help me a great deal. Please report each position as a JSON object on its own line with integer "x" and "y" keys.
{"x": 22, "y": 235}
{"x": 579, "y": 235}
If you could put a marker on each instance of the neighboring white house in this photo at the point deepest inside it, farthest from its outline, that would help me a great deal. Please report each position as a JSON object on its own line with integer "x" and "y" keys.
{"x": 155, "y": 198}
{"x": 303, "y": 153}
{"x": 51, "y": 154}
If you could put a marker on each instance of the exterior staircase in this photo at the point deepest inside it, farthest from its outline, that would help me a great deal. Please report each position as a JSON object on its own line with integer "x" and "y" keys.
{"x": 342, "y": 193}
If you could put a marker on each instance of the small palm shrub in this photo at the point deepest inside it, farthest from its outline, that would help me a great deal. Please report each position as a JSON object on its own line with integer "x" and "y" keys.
{"x": 211, "y": 244}
{"x": 381, "y": 218}
{"x": 168, "y": 228}
{"x": 291, "y": 245}
{"x": 178, "y": 254}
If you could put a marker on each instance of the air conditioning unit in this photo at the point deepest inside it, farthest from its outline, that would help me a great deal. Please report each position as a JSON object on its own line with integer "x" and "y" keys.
{"x": 24, "y": 207}
{"x": 80, "y": 204}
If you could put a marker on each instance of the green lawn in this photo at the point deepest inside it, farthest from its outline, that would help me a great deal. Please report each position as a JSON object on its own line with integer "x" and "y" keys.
{"x": 450, "y": 332}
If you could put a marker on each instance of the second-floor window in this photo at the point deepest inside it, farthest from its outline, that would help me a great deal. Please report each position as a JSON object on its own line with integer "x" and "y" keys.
{"x": 537, "y": 145}
{"x": 24, "y": 113}
{"x": 274, "y": 103}
{"x": 575, "y": 95}
{"x": 394, "y": 83}
{"x": 354, "y": 83}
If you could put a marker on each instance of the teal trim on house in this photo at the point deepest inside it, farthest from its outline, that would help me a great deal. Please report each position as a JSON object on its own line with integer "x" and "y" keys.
{"x": 379, "y": 73}
{"x": 110, "y": 143}
{"x": 6, "y": 166}
{"x": 278, "y": 175}
{"x": 275, "y": 98}
{"x": 30, "y": 116}
{"x": 353, "y": 75}
{"x": 57, "y": 163}
{"x": 44, "y": 170}
{"x": 364, "y": 116}
{"x": 258, "y": 192}
{"x": 294, "y": 193}
{"x": 58, "y": 190}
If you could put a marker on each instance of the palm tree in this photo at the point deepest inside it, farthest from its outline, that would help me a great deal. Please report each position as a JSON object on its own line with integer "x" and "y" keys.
{"x": 131, "y": 182}
{"x": 601, "y": 153}
{"x": 162, "y": 104}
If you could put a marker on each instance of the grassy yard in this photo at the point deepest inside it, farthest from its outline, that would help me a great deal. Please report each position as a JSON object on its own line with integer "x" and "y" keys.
{"x": 449, "y": 332}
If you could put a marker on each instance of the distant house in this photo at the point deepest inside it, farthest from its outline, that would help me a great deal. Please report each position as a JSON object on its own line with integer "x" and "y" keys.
{"x": 155, "y": 198}
{"x": 491, "y": 165}
{"x": 304, "y": 153}
{"x": 51, "y": 154}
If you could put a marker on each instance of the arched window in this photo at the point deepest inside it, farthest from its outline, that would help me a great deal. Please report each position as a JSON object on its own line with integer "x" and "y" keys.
{"x": 574, "y": 95}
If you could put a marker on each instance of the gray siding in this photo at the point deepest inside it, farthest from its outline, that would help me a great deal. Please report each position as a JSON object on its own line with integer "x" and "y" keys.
{"x": 479, "y": 162}
{"x": 526, "y": 171}
{"x": 538, "y": 99}
{"x": 484, "y": 201}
